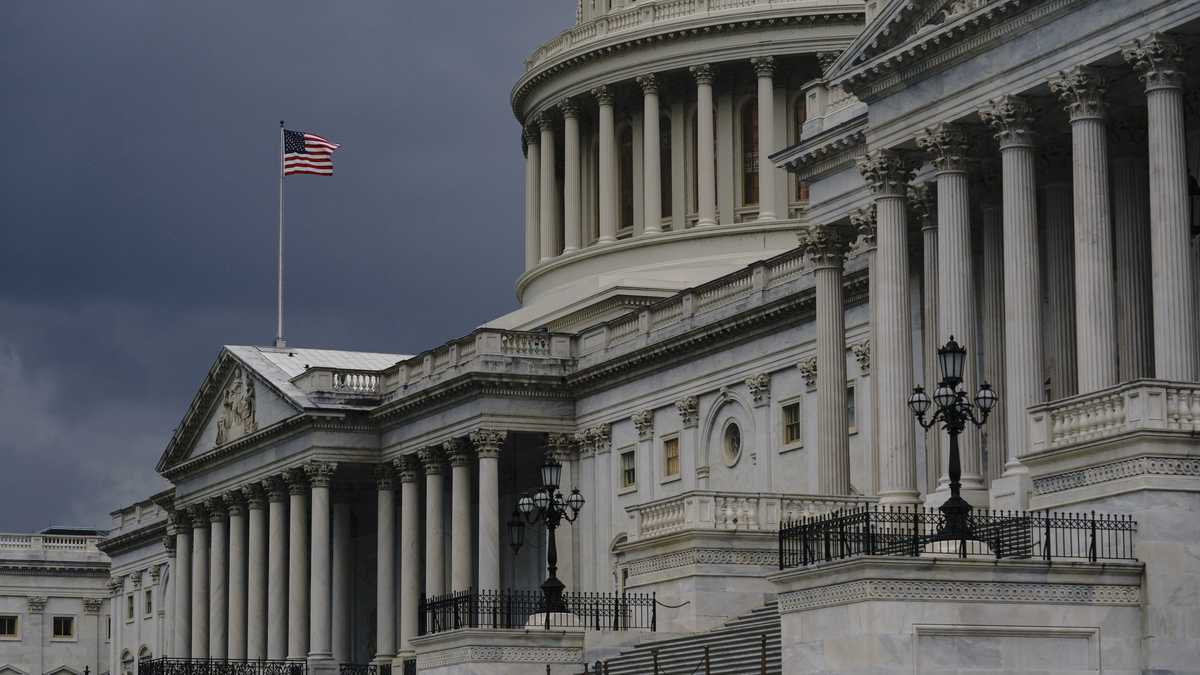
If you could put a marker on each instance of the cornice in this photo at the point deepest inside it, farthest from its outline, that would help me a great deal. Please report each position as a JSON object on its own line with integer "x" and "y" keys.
{"x": 468, "y": 385}
{"x": 142, "y": 535}
{"x": 43, "y": 568}
{"x": 828, "y": 151}
{"x": 656, "y": 34}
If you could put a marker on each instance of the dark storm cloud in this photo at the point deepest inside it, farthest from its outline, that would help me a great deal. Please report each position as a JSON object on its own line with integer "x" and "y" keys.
{"x": 138, "y": 206}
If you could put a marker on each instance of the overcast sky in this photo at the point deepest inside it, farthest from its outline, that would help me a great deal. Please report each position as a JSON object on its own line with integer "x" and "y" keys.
{"x": 138, "y": 198}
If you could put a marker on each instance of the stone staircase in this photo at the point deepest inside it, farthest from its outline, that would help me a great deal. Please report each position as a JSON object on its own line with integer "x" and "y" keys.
{"x": 734, "y": 649}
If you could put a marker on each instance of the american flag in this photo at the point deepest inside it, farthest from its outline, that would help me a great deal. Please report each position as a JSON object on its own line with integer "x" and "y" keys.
{"x": 307, "y": 153}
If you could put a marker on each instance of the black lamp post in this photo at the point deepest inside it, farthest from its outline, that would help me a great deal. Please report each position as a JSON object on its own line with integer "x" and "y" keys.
{"x": 549, "y": 506}
{"x": 954, "y": 411}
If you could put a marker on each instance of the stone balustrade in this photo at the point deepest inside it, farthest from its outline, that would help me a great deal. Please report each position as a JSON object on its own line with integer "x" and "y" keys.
{"x": 1137, "y": 406}
{"x": 709, "y": 510}
{"x": 48, "y": 542}
{"x": 648, "y": 16}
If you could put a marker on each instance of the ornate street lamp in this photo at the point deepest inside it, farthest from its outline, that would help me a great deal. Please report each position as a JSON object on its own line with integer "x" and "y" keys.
{"x": 954, "y": 411}
{"x": 549, "y": 506}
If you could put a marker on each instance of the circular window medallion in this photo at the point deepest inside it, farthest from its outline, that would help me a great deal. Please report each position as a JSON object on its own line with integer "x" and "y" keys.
{"x": 733, "y": 443}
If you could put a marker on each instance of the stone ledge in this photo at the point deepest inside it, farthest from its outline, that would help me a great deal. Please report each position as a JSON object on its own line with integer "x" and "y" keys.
{"x": 471, "y": 646}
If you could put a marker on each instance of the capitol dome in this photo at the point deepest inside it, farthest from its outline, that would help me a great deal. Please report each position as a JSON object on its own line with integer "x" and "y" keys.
{"x": 618, "y": 222}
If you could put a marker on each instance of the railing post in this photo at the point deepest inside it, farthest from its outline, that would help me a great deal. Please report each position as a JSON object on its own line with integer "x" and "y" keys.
{"x": 653, "y": 612}
{"x": 707, "y": 662}
{"x": 654, "y": 654}
{"x": 916, "y": 532}
{"x": 1092, "y": 547}
{"x": 1046, "y": 541}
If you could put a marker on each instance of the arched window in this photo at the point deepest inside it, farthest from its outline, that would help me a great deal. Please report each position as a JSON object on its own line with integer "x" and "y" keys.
{"x": 126, "y": 662}
{"x": 625, "y": 176}
{"x": 664, "y": 163}
{"x": 748, "y": 121}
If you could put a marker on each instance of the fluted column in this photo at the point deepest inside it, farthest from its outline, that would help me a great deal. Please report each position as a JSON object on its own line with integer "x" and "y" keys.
{"x": 607, "y": 143}
{"x": 572, "y": 207}
{"x": 488, "y": 443}
{"x": 385, "y": 565}
{"x": 1082, "y": 92}
{"x": 864, "y": 224}
{"x": 887, "y": 174}
{"x": 343, "y": 575}
{"x": 1159, "y": 61}
{"x": 946, "y": 144}
{"x": 531, "y": 147}
{"x": 461, "y": 457}
{"x": 764, "y": 70}
{"x": 256, "y": 573}
{"x": 410, "y": 551}
{"x": 1131, "y": 251}
{"x": 320, "y": 579}
{"x": 923, "y": 200}
{"x": 706, "y": 182}
{"x": 651, "y": 159}
{"x": 218, "y": 580}
{"x": 236, "y": 600}
{"x": 199, "y": 517}
{"x": 277, "y": 569}
{"x": 181, "y": 578}
{"x": 1011, "y": 119}
{"x": 435, "y": 529}
{"x": 993, "y": 336}
{"x": 825, "y": 246}
{"x": 1060, "y": 276}
{"x": 547, "y": 204}
{"x": 297, "y": 612}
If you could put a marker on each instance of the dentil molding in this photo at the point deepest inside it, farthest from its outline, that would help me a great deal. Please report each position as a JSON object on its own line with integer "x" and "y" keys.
{"x": 499, "y": 654}
{"x": 924, "y": 590}
{"x": 1125, "y": 468}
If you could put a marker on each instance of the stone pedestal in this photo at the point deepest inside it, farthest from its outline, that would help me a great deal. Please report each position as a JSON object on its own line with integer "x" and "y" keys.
{"x": 500, "y": 652}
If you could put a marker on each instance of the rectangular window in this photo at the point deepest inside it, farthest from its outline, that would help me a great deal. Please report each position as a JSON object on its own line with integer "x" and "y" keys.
{"x": 628, "y": 469}
{"x": 129, "y": 607}
{"x": 8, "y": 627}
{"x": 791, "y": 423}
{"x": 64, "y": 627}
{"x": 851, "y": 422}
{"x": 149, "y": 603}
{"x": 670, "y": 457}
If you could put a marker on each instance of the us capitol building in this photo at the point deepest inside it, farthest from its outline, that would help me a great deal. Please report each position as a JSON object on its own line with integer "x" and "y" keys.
{"x": 751, "y": 229}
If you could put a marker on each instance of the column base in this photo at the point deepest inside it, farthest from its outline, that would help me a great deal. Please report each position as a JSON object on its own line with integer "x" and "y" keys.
{"x": 703, "y": 222}
{"x": 322, "y": 664}
{"x": 1011, "y": 492}
{"x": 977, "y": 498}
{"x": 900, "y": 497}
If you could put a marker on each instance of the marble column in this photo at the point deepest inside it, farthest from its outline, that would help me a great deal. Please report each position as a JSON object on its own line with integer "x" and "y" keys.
{"x": 607, "y": 180}
{"x": 277, "y": 569}
{"x": 864, "y": 223}
{"x": 887, "y": 174}
{"x": 385, "y": 565}
{"x": 547, "y": 200}
{"x": 410, "y": 551}
{"x": 297, "y": 612}
{"x": 461, "y": 456}
{"x": 1082, "y": 90}
{"x": 651, "y": 156}
{"x": 947, "y": 147}
{"x": 181, "y": 577}
{"x": 992, "y": 268}
{"x": 825, "y": 247}
{"x": 764, "y": 70}
{"x": 1131, "y": 251}
{"x": 923, "y": 200}
{"x": 343, "y": 575}
{"x": 256, "y": 573}
{"x": 1060, "y": 276}
{"x": 487, "y": 443}
{"x": 1159, "y": 62}
{"x": 1012, "y": 120}
{"x": 320, "y": 578}
{"x": 218, "y": 580}
{"x": 572, "y": 206}
{"x": 435, "y": 529}
{"x": 199, "y": 517}
{"x": 236, "y": 599}
{"x": 531, "y": 147}
{"x": 706, "y": 182}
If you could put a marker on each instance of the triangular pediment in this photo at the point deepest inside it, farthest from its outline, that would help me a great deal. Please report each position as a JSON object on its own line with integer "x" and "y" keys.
{"x": 898, "y": 22}
{"x": 234, "y": 402}
{"x": 9, "y": 669}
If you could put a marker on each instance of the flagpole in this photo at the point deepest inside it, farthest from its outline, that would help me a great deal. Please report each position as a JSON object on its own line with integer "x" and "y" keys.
{"x": 279, "y": 341}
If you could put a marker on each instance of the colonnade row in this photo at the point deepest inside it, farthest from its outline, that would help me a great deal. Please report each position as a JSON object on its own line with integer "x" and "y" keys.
{"x": 265, "y": 569}
{"x": 1101, "y": 248}
{"x": 555, "y": 216}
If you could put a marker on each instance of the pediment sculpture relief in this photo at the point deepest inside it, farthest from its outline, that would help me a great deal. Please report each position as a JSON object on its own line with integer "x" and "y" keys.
{"x": 236, "y": 416}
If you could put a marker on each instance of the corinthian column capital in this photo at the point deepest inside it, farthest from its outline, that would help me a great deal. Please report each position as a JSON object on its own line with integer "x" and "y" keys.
{"x": 825, "y": 245}
{"x": 703, "y": 73}
{"x": 431, "y": 460}
{"x": 568, "y": 107}
{"x": 1158, "y": 60}
{"x": 922, "y": 198}
{"x": 764, "y": 66}
{"x": 1081, "y": 91}
{"x": 887, "y": 172}
{"x": 603, "y": 95}
{"x": 947, "y": 146}
{"x": 488, "y": 442}
{"x": 458, "y": 452}
{"x": 1011, "y": 118}
{"x": 648, "y": 83}
{"x": 320, "y": 474}
{"x": 545, "y": 120}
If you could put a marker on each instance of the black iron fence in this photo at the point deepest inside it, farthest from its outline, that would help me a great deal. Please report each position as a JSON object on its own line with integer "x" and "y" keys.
{"x": 515, "y": 609}
{"x": 179, "y": 666}
{"x": 911, "y": 532}
{"x": 365, "y": 669}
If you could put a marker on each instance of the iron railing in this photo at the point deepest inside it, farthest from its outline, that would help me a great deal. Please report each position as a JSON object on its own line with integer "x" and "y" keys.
{"x": 911, "y": 532}
{"x": 365, "y": 669}
{"x": 180, "y": 666}
{"x": 514, "y": 609}
{"x": 410, "y": 667}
